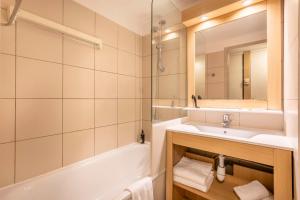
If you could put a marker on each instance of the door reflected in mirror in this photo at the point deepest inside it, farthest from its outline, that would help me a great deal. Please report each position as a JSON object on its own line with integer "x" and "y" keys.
{"x": 231, "y": 60}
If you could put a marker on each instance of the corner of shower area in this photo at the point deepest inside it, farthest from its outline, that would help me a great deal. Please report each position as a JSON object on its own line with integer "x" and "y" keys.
{"x": 168, "y": 61}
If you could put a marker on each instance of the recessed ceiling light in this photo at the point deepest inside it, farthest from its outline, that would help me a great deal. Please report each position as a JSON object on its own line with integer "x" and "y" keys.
{"x": 247, "y": 2}
{"x": 204, "y": 18}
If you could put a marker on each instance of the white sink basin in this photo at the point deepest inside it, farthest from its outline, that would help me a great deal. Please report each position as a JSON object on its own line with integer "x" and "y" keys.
{"x": 227, "y": 131}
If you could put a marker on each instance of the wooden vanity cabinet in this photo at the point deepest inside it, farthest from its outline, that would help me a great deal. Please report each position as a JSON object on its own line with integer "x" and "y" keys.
{"x": 279, "y": 159}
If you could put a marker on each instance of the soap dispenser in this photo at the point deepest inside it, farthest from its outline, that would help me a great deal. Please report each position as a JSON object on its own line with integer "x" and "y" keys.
{"x": 221, "y": 169}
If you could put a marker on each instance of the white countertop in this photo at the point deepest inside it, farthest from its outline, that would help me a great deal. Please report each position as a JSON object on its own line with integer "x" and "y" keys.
{"x": 268, "y": 138}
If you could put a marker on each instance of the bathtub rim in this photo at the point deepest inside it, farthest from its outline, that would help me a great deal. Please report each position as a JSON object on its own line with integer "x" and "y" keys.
{"x": 74, "y": 165}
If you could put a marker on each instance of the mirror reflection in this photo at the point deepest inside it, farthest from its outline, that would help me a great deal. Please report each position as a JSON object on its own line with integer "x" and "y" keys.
{"x": 231, "y": 60}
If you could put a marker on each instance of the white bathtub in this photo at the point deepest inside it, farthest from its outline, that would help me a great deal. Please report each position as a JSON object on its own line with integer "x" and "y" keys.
{"x": 103, "y": 177}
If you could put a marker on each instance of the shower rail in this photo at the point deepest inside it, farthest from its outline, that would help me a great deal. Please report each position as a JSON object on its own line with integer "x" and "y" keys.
{"x": 19, "y": 13}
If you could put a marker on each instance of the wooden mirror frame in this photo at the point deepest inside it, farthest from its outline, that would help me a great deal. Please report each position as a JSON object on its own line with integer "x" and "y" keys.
{"x": 228, "y": 12}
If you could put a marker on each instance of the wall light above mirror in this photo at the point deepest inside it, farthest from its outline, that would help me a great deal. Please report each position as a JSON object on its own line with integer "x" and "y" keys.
{"x": 234, "y": 57}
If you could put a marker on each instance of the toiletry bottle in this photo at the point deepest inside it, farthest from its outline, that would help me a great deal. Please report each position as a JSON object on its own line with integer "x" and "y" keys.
{"x": 221, "y": 169}
{"x": 142, "y": 139}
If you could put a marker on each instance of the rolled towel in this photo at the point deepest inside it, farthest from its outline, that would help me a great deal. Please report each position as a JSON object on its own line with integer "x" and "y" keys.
{"x": 194, "y": 170}
{"x": 187, "y": 182}
{"x": 142, "y": 189}
{"x": 252, "y": 191}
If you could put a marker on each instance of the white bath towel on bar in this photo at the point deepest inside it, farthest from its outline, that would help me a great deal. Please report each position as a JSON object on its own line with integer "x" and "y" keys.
{"x": 187, "y": 182}
{"x": 252, "y": 191}
{"x": 194, "y": 170}
{"x": 142, "y": 189}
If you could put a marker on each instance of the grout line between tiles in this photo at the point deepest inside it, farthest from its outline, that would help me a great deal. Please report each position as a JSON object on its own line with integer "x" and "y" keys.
{"x": 15, "y": 122}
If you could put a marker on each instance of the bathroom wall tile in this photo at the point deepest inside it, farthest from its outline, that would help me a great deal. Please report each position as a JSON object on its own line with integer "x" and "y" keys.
{"x": 126, "y": 110}
{"x": 147, "y": 127}
{"x": 146, "y": 66}
{"x": 215, "y": 75}
{"x": 38, "y": 117}
{"x": 291, "y": 23}
{"x": 78, "y": 53}
{"x": 126, "y": 40}
{"x": 126, "y": 133}
{"x": 291, "y": 71}
{"x": 78, "y": 146}
{"x": 170, "y": 61}
{"x": 182, "y": 86}
{"x": 291, "y": 118}
{"x": 78, "y": 114}
{"x": 107, "y": 30}
{"x": 38, "y": 79}
{"x": 138, "y": 109}
{"x": 106, "y": 85}
{"x": 215, "y": 117}
{"x": 7, "y": 39}
{"x": 126, "y": 63}
{"x": 106, "y": 112}
{"x": 53, "y": 10}
{"x": 146, "y": 43}
{"x": 106, "y": 138}
{"x": 126, "y": 86}
{"x": 138, "y": 88}
{"x": 138, "y": 66}
{"x": 47, "y": 44}
{"x": 263, "y": 121}
{"x": 138, "y": 128}
{"x": 215, "y": 91}
{"x": 138, "y": 45}
{"x": 7, "y": 120}
{"x": 7, "y": 76}
{"x": 198, "y": 116}
{"x": 78, "y": 82}
{"x": 79, "y": 17}
{"x": 106, "y": 59}
{"x": 7, "y": 167}
{"x": 172, "y": 44}
{"x": 169, "y": 87}
{"x": 47, "y": 153}
{"x": 146, "y": 109}
{"x": 215, "y": 59}
{"x": 146, "y": 88}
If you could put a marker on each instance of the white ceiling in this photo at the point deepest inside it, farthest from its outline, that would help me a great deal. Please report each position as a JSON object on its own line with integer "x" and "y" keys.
{"x": 135, "y": 15}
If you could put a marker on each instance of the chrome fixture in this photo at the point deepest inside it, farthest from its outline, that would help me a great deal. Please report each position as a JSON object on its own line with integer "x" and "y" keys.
{"x": 226, "y": 120}
{"x": 195, "y": 101}
{"x": 159, "y": 45}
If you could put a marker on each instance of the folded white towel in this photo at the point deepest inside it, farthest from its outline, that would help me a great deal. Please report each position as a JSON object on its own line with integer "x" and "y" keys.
{"x": 187, "y": 182}
{"x": 142, "y": 189}
{"x": 194, "y": 170}
{"x": 252, "y": 191}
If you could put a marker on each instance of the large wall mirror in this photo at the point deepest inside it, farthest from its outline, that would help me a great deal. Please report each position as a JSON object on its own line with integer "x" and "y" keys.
{"x": 235, "y": 54}
{"x": 231, "y": 60}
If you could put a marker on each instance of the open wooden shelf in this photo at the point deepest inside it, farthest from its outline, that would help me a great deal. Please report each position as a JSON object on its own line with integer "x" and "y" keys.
{"x": 217, "y": 191}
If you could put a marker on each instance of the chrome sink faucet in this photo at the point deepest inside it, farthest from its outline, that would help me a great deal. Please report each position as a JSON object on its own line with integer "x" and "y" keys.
{"x": 226, "y": 121}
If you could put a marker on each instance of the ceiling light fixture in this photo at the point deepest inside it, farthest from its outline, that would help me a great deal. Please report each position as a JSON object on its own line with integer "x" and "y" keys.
{"x": 247, "y": 2}
{"x": 168, "y": 31}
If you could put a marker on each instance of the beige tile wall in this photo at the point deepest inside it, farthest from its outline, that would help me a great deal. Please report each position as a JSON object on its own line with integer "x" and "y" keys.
{"x": 61, "y": 99}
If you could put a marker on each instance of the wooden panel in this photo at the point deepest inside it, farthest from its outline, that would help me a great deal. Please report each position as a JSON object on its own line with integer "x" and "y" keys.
{"x": 249, "y": 152}
{"x": 193, "y": 15}
{"x": 251, "y": 174}
{"x": 282, "y": 175}
{"x": 200, "y": 158}
{"x": 169, "y": 168}
{"x": 275, "y": 53}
